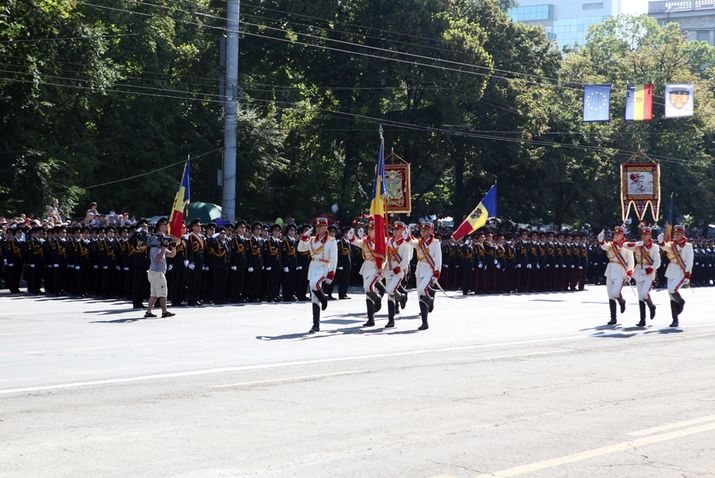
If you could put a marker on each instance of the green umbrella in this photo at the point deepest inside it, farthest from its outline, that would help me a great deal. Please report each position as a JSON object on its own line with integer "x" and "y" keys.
{"x": 204, "y": 211}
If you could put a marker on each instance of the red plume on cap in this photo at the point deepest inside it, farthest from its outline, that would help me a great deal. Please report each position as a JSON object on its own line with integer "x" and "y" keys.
{"x": 321, "y": 221}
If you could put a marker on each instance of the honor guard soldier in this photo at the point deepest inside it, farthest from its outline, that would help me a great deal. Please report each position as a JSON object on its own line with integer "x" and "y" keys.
{"x": 680, "y": 267}
{"x": 429, "y": 265}
{"x": 342, "y": 274}
{"x": 218, "y": 261}
{"x": 272, "y": 263}
{"x": 647, "y": 259}
{"x": 371, "y": 274}
{"x": 619, "y": 269}
{"x": 254, "y": 262}
{"x": 399, "y": 254}
{"x": 324, "y": 260}
{"x": 195, "y": 257}
{"x": 237, "y": 273}
{"x": 289, "y": 260}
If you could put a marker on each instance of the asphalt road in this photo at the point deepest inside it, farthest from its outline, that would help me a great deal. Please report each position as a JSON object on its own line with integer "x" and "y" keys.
{"x": 527, "y": 385}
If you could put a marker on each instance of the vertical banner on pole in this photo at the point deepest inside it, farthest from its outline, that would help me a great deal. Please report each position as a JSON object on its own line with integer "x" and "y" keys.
{"x": 398, "y": 185}
{"x": 640, "y": 189}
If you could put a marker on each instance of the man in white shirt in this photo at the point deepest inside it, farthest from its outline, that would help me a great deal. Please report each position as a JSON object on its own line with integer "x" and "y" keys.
{"x": 619, "y": 269}
{"x": 647, "y": 259}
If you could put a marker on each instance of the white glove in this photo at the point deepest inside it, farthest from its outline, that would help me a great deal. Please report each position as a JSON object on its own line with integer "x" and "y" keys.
{"x": 57, "y": 266}
{"x": 250, "y": 269}
{"x": 480, "y": 265}
{"x": 77, "y": 268}
{"x": 105, "y": 267}
{"x": 686, "y": 282}
{"x": 496, "y": 262}
{"x": 186, "y": 263}
{"x": 528, "y": 266}
{"x": 126, "y": 269}
{"x": 234, "y": 268}
{"x": 96, "y": 266}
{"x": 171, "y": 267}
{"x": 446, "y": 266}
{"x": 117, "y": 268}
{"x": 538, "y": 266}
{"x": 285, "y": 269}
{"x": 299, "y": 268}
{"x": 206, "y": 268}
{"x": 350, "y": 235}
{"x": 5, "y": 261}
{"x": 556, "y": 266}
{"x": 498, "y": 265}
{"x": 406, "y": 234}
{"x": 518, "y": 266}
{"x": 573, "y": 267}
{"x": 580, "y": 267}
{"x": 661, "y": 238}
{"x": 340, "y": 268}
{"x": 601, "y": 235}
{"x": 361, "y": 233}
{"x": 308, "y": 232}
{"x": 32, "y": 266}
{"x": 192, "y": 266}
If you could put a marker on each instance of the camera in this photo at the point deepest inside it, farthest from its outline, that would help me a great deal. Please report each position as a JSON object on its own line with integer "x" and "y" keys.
{"x": 160, "y": 240}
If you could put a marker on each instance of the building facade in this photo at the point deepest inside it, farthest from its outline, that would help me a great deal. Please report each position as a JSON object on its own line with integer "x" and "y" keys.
{"x": 695, "y": 17}
{"x": 566, "y": 21}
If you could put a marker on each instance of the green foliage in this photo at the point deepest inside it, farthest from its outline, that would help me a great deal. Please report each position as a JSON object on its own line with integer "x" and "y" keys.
{"x": 91, "y": 95}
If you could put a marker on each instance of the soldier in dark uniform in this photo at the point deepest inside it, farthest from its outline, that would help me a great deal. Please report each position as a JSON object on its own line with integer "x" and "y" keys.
{"x": 35, "y": 261}
{"x": 344, "y": 269}
{"x": 582, "y": 265}
{"x": 84, "y": 262}
{"x": 500, "y": 285}
{"x": 289, "y": 260}
{"x": 206, "y": 276}
{"x": 139, "y": 263}
{"x": 301, "y": 270}
{"x": 237, "y": 272}
{"x": 218, "y": 256}
{"x": 110, "y": 264}
{"x": 522, "y": 260}
{"x": 533, "y": 267}
{"x": 510, "y": 256}
{"x": 560, "y": 263}
{"x": 549, "y": 261}
{"x": 466, "y": 256}
{"x": 480, "y": 258}
{"x": 195, "y": 246}
{"x": 254, "y": 261}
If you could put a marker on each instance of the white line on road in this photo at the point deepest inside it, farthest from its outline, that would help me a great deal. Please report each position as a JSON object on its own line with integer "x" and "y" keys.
{"x": 672, "y": 426}
{"x": 288, "y": 379}
{"x": 597, "y": 452}
{"x": 211, "y": 371}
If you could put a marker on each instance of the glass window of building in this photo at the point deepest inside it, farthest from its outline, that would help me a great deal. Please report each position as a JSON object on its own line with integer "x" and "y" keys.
{"x": 703, "y": 35}
{"x": 532, "y": 13}
{"x": 593, "y": 6}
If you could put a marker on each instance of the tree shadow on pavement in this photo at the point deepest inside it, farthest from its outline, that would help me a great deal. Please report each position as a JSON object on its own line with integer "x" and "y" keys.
{"x": 109, "y": 312}
{"x": 121, "y": 321}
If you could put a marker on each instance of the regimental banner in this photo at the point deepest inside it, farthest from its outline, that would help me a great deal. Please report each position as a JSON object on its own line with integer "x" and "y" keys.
{"x": 399, "y": 188}
{"x": 640, "y": 188}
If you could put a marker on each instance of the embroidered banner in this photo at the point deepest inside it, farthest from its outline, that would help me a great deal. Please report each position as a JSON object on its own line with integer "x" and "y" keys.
{"x": 399, "y": 188}
{"x": 640, "y": 189}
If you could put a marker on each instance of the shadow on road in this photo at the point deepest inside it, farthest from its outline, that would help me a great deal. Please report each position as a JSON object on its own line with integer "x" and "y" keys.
{"x": 121, "y": 321}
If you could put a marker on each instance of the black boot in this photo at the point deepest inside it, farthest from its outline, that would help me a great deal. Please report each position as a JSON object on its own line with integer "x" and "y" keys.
{"x": 376, "y": 300}
{"x": 321, "y": 297}
{"x": 423, "y": 312}
{"x": 370, "y": 313}
{"x": 641, "y": 306}
{"x": 381, "y": 288}
{"x": 681, "y": 305}
{"x": 316, "y": 319}
{"x": 403, "y": 298}
{"x": 612, "y": 305}
{"x": 675, "y": 310}
{"x": 430, "y": 298}
{"x": 390, "y": 314}
{"x": 651, "y": 307}
{"x": 622, "y": 302}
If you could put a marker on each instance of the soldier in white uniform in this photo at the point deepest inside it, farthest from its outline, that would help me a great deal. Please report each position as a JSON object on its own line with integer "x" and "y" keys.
{"x": 429, "y": 264}
{"x": 399, "y": 254}
{"x": 324, "y": 259}
{"x": 371, "y": 274}
{"x": 647, "y": 259}
{"x": 680, "y": 257}
{"x": 619, "y": 269}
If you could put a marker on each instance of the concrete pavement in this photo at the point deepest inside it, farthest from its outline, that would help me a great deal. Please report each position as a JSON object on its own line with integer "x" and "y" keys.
{"x": 528, "y": 385}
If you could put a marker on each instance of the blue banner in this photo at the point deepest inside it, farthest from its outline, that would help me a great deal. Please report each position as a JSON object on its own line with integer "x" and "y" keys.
{"x": 596, "y": 103}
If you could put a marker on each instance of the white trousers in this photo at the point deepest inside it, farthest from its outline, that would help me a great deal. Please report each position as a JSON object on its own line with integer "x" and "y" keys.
{"x": 316, "y": 276}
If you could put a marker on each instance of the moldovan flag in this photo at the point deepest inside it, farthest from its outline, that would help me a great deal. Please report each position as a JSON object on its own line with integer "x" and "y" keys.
{"x": 378, "y": 206}
{"x": 183, "y": 196}
{"x": 639, "y": 102}
{"x": 478, "y": 218}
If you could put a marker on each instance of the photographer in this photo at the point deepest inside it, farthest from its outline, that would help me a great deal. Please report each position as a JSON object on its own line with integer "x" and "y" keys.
{"x": 161, "y": 247}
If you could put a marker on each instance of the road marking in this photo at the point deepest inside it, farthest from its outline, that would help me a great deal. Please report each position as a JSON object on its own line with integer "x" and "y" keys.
{"x": 671, "y": 426}
{"x": 597, "y": 452}
{"x": 288, "y": 379}
{"x": 212, "y": 371}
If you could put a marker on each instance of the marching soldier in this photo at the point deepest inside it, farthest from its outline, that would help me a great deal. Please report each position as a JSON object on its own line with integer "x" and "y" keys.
{"x": 680, "y": 267}
{"x": 323, "y": 251}
{"x": 647, "y": 260}
{"x": 371, "y": 274}
{"x": 342, "y": 274}
{"x": 429, "y": 265}
{"x": 619, "y": 269}
{"x": 289, "y": 257}
{"x": 195, "y": 257}
{"x": 399, "y": 254}
{"x": 328, "y": 287}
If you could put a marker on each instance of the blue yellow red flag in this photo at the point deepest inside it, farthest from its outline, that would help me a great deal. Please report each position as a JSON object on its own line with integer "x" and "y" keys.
{"x": 181, "y": 201}
{"x": 486, "y": 208}
{"x": 378, "y": 206}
